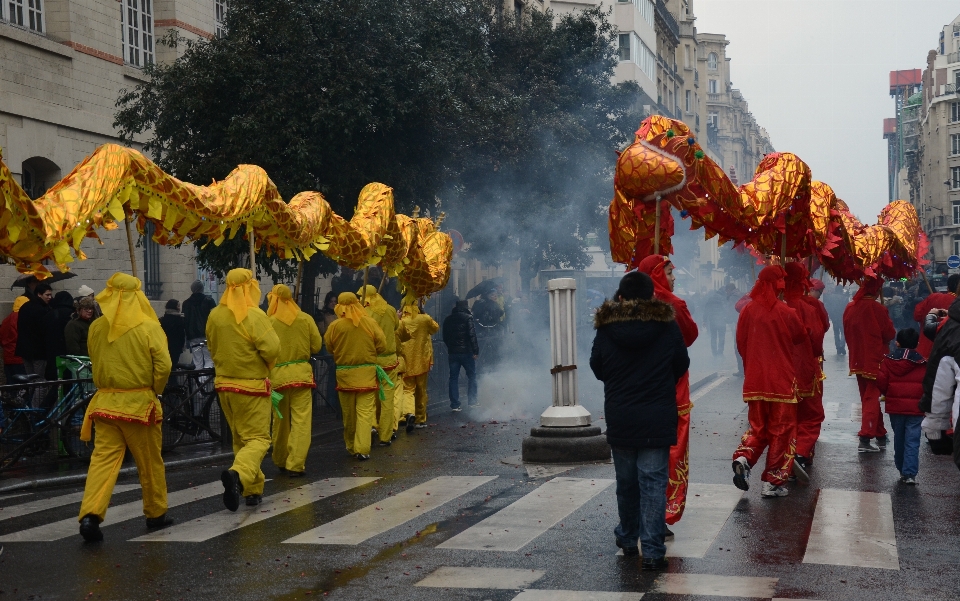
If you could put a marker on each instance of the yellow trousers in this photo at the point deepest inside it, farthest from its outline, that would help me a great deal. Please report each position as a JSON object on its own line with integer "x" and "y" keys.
{"x": 386, "y": 420}
{"x": 111, "y": 441}
{"x": 401, "y": 404}
{"x": 291, "y": 435}
{"x": 249, "y": 419}
{"x": 358, "y": 409}
{"x": 416, "y": 394}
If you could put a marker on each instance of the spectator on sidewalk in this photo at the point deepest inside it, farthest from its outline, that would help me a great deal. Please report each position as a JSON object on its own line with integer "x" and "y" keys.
{"x": 639, "y": 355}
{"x": 31, "y": 346}
{"x": 196, "y": 310}
{"x": 174, "y": 326}
{"x": 76, "y": 332}
{"x": 460, "y": 336}
{"x": 901, "y": 382}
{"x": 54, "y": 326}
{"x": 12, "y": 364}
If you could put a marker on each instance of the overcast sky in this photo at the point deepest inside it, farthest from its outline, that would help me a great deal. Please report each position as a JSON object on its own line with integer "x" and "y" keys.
{"x": 816, "y": 76}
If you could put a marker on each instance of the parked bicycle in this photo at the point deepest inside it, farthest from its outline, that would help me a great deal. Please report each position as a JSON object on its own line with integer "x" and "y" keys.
{"x": 26, "y": 431}
{"x": 191, "y": 407}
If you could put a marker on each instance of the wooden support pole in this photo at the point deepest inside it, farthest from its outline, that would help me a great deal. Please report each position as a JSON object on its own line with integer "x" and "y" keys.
{"x": 383, "y": 280}
{"x": 656, "y": 228}
{"x": 296, "y": 287}
{"x": 253, "y": 250}
{"x": 366, "y": 278}
{"x": 783, "y": 247}
{"x": 923, "y": 274}
{"x": 133, "y": 256}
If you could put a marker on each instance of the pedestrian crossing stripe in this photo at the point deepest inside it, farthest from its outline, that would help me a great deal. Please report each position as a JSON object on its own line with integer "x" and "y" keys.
{"x": 120, "y": 513}
{"x": 549, "y": 595}
{"x": 853, "y": 528}
{"x": 220, "y": 523}
{"x": 485, "y": 578}
{"x": 391, "y": 512}
{"x": 29, "y": 507}
{"x": 517, "y": 524}
{"x": 717, "y": 586}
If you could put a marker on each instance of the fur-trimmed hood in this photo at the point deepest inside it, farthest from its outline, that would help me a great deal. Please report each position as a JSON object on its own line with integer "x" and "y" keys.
{"x": 633, "y": 310}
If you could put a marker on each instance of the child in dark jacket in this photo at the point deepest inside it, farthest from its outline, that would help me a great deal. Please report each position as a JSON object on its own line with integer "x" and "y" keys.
{"x": 901, "y": 381}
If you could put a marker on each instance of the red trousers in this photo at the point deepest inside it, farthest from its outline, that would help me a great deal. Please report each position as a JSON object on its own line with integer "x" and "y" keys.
{"x": 809, "y": 419}
{"x": 678, "y": 471}
{"x": 871, "y": 422}
{"x": 773, "y": 425}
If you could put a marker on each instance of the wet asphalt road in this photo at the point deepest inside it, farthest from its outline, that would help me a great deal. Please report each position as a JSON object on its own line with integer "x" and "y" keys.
{"x": 758, "y": 543}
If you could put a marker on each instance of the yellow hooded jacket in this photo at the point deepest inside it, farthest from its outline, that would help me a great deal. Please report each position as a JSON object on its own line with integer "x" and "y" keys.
{"x": 298, "y": 341}
{"x": 244, "y": 352}
{"x": 418, "y": 350}
{"x": 355, "y": 352}
{"x": 386, "y": 317}
{"x": 132, "y": 369}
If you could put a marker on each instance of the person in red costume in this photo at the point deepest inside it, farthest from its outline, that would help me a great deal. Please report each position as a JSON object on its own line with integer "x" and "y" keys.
{"x": 937, "y": 300}
{"x": 807, "y": 358}
{"x": 869, "y": 331}
{"x": 767, "y": 331}
{"x": 660, "y": 270}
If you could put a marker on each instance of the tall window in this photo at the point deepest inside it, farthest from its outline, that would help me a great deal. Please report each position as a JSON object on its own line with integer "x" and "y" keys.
{"x": 645, "y": 8}
{"x": 713, "y": 119}
{"x": 646, "y": 59}
{"x": 954, "y": 143}
{"x": 955, "y": 178}
{"x": 686, "y": 101}
{"x": 26, "y": 13}
{"x": 956, "y": 245}
{"x": 713, "y": 87}
{"x": 954, "y": 112}
{"x": 625, "y": 54}
{"x": 956, "y": 212}
{"x": 137, "y": 22}
{"x": 220, "y": 12}
{"x": 686, "y": 56}
{"x": 712, "y": 61}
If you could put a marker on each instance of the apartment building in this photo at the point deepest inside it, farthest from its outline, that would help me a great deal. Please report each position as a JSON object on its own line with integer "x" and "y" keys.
{"x": 64, "y": 65}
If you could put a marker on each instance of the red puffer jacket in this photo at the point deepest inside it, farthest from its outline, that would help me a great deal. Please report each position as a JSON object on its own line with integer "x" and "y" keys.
{"x": 901, "y": 381}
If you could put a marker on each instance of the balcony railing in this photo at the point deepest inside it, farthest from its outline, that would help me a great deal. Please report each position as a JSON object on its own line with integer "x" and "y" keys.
{"x": 950, "y": 88}
{"x": 953, "y": 57}
{"x": 715, "y": 97}
{"x": 669, "y": 23}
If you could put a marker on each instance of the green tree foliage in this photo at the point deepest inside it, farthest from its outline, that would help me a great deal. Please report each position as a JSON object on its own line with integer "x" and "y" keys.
{"x": 512, "y": 123}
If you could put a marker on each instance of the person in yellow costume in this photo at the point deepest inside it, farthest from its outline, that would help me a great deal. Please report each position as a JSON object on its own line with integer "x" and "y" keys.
{"x": 292, "y": 376}
{"x": 131, "y": 364}
{"x": 386, "y": 317}
{"x": 244, "y": 348}
{"x": 417, "y": 354}
{"x": 354, "y": 339}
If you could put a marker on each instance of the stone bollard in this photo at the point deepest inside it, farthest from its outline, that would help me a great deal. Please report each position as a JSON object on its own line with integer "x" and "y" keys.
{"x": 565, "y": 434}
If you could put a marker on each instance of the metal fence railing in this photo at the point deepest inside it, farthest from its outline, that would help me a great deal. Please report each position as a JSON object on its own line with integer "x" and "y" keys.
{"x": 40, "y": 421}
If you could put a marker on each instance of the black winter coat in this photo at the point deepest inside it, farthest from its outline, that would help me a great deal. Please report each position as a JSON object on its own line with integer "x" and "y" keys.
{"x": 639, "y": 355}
{"x": 196, "y": 310}
{"x": 173, "y": 327}
{"x": 459, "y": 333}
{"x": 54, "y": 324}
{"x": 30, "y": 330}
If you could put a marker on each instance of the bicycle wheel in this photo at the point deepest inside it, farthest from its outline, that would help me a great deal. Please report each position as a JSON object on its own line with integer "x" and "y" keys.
{"x": 174, "y": 401}
{"x": 210, "y": 416}
{"x": 11, "y": 440}
{"x": 70, "y": 426}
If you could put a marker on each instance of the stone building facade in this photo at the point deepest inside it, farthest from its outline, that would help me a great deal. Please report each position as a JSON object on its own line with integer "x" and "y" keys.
{"x": 64, "y": 65}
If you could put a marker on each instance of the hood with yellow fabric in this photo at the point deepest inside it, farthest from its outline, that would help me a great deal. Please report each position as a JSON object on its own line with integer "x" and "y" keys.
{"x": 124, "y": 306}
{"x": 281, "y": 304}
{"x": 242, "y": 293}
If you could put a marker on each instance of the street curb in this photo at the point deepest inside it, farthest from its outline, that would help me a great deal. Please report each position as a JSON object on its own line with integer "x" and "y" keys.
{"x": 699, "y": 383}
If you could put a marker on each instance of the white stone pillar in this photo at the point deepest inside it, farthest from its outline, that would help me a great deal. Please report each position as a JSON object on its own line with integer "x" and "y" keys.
{"x": 563, "y": 357}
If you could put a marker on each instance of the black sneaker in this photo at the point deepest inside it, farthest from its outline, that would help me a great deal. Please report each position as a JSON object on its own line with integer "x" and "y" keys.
{"x": 362, "y": 457}
{"x": 628, "y": 551}
{"x": 411, "y": 420}
{"x": 800, "y": 472}
{"x": 394, "y": 436}
{"x": 667, "y": 533}
{"x": 654, "y": 565}
{"x": 866, "y": 447}
{"x": 159, "y": 522}
{"x": 882, "y": 442}
{"x": 741, "y": 471}
{"x": 291, "y": 474}
{"x": 253, "y": 500}
{"x": 90, "y": 529}
{"x": 386, "y": 443}
{"x": 231, "y": 489}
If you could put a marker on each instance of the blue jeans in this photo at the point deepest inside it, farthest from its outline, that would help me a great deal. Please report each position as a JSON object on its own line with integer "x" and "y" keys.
{"x": 906, "y": 443}
{"x": 469, "y": 364}
{"x": 642, "y": 498}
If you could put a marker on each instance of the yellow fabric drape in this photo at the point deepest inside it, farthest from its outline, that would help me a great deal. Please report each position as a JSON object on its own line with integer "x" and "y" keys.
{"x": 124, "y": 306}
{"x": 242, "y": 293}
{"x": 19, "y": 302}
{"x": 281, "y": 304}
{"x": 348, "y": 307}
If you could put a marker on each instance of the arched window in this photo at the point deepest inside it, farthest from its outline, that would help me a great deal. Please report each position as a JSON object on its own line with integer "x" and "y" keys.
{"x": 38, "y": 175}
{"x": 712, "y": 61}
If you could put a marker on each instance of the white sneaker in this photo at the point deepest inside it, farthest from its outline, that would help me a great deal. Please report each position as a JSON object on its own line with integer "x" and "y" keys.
{"x": 908, "y": 480}
{"x": 741, "y": 473}
{"x": 772, "y": 490}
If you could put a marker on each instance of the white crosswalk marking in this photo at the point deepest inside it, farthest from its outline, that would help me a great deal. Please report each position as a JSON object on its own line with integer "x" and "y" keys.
{"x": 545, "y": 595}
{"x": 831, "y": 410}
{"x": 494, "y": 578}
{"x": 719, "y": 586}
{"x": 22, "y": 509}
{"x": 115, "y": 515}
{"x": 853, "y": 528}
{"x": 703, "y": 518}
{"x": 702, "y": 392}
{"x": 391, "y": 512}
{"x": 514, "y": 526}
{"x": 216, "y": 524}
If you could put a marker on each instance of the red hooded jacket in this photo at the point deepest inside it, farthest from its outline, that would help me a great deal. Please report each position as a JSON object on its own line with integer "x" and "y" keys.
{"x": 937, "y": 300}
{"x": 806, "y": 355}
{"x": 868, "y": 330}
{"x": 901, "y": 381}
{"x": 653, "y": 266}
{"x": 767, "y": 331}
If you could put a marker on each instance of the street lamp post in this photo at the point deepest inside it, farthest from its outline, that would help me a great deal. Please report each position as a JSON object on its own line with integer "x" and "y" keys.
{"x": 565, "y": 434}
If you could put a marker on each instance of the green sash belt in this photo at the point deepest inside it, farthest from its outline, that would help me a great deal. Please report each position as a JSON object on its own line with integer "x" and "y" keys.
{"x": 382, "y": 377}
{"x": 275, "y": 398}
{"x": 295, "y": 361}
